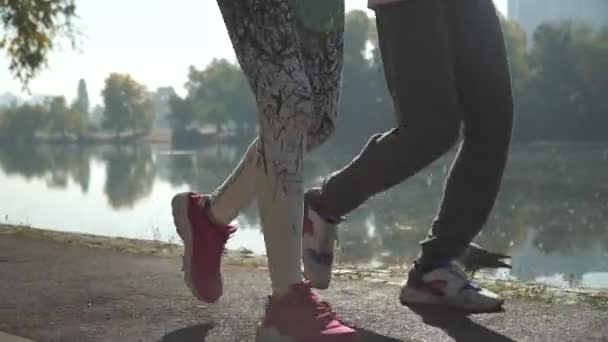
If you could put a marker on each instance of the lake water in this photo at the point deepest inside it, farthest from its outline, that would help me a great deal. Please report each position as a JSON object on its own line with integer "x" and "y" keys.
{"x": 551, "y": 214}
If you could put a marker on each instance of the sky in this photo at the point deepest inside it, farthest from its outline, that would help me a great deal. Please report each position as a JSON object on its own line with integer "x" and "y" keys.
{"x": 155, "y": 41}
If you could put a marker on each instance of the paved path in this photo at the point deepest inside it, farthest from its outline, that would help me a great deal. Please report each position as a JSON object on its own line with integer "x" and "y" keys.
{"x": 56, "y": 292}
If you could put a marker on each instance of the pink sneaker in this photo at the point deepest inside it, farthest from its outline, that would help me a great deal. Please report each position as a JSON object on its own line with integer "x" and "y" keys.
{"x": 204, "y": 245}
{"x": 301, "y": 317}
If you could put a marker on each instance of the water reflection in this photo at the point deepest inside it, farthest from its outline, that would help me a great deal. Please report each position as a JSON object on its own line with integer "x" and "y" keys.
{"x": 130, "y": 170}
{"x": 551, "y": 214}
{"x": 130, "y": 173}
{"x": 54, "y": 164}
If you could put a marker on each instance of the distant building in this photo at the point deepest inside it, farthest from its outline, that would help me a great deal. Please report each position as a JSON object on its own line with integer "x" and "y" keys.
{"x": 531, "y": 13}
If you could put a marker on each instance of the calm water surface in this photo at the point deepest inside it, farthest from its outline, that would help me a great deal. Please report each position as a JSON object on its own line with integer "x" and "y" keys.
{"x": 551, "y": 214}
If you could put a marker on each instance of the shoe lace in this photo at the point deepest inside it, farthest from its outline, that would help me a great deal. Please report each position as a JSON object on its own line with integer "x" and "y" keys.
{"x": 324, "y": 311}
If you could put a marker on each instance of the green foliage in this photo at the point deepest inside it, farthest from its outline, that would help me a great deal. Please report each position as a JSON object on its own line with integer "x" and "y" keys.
{"x": 29, "y": 30}
{"x": 20, "y": 124}
{"x": 183, "y": 113}
{"x": 517, "y": 54}
{"x": 128, "y": 106}
{"x": 356, "y": 34}
{"x": 217, "y": 95}
{"x": 77, "y": 119}
{"x": 559, "y": 82}
{"x": 53, "y": 117}
{"x": 561, "y": 99}
{"x": 319, "y": 15}
{"x": 365, "y": 107}
{"x": 58, "y": 116}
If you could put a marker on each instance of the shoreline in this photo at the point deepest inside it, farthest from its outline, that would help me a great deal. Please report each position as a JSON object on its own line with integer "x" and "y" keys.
{"x": 391, "y": 275}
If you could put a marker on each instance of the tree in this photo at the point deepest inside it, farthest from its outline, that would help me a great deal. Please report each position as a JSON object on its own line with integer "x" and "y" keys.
{"x": 21, "y": 124}
{"x": 593, "y": 69}
{"x": 357, "y": 35}
{"x": 143, "y": 111}
{"x": 220, "y": 94}
{"x": 365, "y": 107}
{"x": 127, "y": 105}
{"x": 58, "y": 116}
{"x": 77, "y": 120}
{"x": 517, "y": 53}
{"x": 65, "y": 120}
{"x": 243, "y": 107}
{"x": 83, "y": 97}
{"x": 561, "y": 99}
{"x": 182, "y": 113}
{"x": 30, "y": 30}
{"x": 518, "y": 58}
{"x": 319, "y": 15}
{"x": 216, "y": 95}
{"x": 117, "y": 112}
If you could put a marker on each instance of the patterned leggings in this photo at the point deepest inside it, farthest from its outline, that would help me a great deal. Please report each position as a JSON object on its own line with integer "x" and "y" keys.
{"x": 292, "y": 54}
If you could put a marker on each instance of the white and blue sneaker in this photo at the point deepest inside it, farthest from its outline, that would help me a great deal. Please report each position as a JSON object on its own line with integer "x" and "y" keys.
{"x": 319, "y": 239}
{"x": 448, "y": 285}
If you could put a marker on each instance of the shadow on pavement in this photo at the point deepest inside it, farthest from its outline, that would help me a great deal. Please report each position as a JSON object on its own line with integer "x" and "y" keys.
{"x": 457, "y": 324}
{"x": 195, "y": 333}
